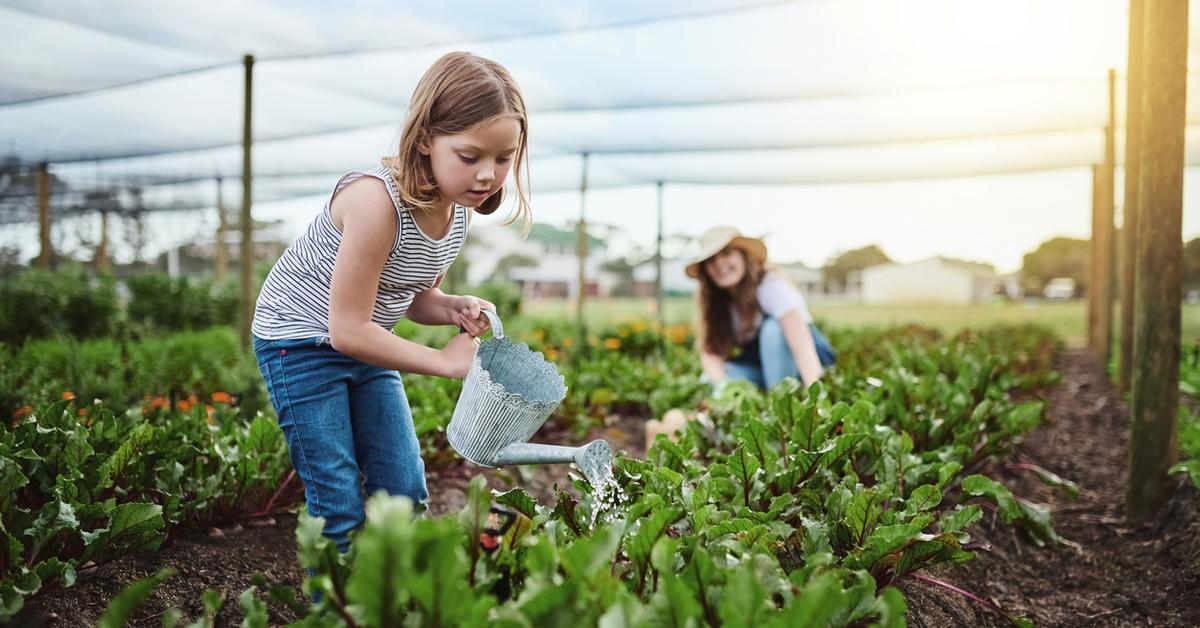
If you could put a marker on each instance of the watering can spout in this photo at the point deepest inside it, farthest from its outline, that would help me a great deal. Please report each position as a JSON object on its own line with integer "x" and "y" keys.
{"x": 594, "y": 458}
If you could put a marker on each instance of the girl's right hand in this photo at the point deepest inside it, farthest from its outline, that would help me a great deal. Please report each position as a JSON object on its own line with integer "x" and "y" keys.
{"x": 457, "y": 356}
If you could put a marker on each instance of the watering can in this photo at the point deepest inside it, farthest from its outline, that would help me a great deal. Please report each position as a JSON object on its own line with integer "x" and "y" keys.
{"x": 508, "y": 394}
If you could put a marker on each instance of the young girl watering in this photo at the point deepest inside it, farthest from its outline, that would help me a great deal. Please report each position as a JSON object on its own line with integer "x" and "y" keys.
{"x": 376, "y": 253}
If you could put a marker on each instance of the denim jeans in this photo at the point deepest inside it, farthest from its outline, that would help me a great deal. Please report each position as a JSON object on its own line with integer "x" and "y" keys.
{"x": 341, "y": 417}
{"x": 777, "y": 362}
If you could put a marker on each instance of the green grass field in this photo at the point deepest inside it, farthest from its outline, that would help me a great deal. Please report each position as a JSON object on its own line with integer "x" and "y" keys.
{"x": 1067, "y": 318}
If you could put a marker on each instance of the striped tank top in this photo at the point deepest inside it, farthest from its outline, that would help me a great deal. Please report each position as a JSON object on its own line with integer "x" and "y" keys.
{"x": 294, "y": 301}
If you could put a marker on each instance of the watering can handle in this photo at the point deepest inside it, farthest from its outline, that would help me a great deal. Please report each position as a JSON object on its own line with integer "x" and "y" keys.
{"x": 494, "y": 319}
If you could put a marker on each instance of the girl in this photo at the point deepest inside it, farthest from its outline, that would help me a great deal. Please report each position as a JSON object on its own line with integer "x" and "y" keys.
{"x": 754, "y": 325}
{"x": 375, "y": 253}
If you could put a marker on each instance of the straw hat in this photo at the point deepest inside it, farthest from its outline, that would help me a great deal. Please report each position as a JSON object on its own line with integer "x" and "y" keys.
{"x": 716, "y": 239}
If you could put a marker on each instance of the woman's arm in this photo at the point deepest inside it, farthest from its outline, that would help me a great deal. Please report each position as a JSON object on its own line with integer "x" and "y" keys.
{"x": 713, "y": 365}
{"x": 368, "y": 230}
{"x": 800, "y": 341}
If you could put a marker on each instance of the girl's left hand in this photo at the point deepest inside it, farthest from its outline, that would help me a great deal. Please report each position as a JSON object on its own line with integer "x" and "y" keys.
{"x": 466, "y": 312}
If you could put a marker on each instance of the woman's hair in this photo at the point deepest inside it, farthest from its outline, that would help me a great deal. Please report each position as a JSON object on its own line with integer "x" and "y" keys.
{"x": 716, "y": 333}
{"x": 458, "y": 93}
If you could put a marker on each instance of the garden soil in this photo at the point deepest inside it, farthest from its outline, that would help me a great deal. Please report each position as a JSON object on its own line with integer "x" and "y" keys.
{"x": 1112, "y": 574}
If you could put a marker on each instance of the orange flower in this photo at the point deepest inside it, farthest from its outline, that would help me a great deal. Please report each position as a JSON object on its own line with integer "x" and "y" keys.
{"x": 568, "y": 342}
{"x": 159, "y": 402}
{"x": 222, "y": 397}
{"x": 612, "y": 343}
{"x": 68, "y": 395}
{"x": 210, "y": 415}
{"x": 639, "y": 326}
{"x": 22, "y": 412}
{"x": 82, "y": 411}
{"x": 184, "y": 405}
{"x": 551, "y": 354}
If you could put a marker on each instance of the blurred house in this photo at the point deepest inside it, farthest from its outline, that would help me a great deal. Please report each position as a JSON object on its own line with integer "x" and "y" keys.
{"x": 675, "y": 281}
{"x": 810, "y": 281}
{"x": 935, "y": 280}
{"x": 544, "y": 264}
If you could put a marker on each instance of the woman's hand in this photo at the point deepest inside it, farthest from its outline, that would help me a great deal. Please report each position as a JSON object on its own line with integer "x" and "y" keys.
{"x": 467, "y": 312}
{"x": 457, "y": 356}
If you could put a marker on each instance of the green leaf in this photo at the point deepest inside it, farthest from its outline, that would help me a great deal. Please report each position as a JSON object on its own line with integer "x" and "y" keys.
{"x": 883, "y": 541}
{"x": 744, "y": 601}
{"x": 640, "y": 547}
{"x": 925, "y": 497}
{"x": 960, "y": 519}
{"x": 1069, "y": 488}
{"x": 117, "y": 614}
{"x": 11, "y": 478}
{"x": 131, "y": 527}
{"x": 891, "y": 607}
{"x": 518, "y": 500}
{"x": 744, "y": 466}
{"x": 984, "y": 486}
{"x": 862, "y": 514}
{"x": 115, "y": 465}
{"x": 819, "y": 602}
{"x": 674, "y": 605}
{"x": 587, "y": 557}
{"x": 380, "y": 582}
{"x": 253, "y": 609}
{"x": 1190, "y": 467}
{"x": 1022, "y": 418}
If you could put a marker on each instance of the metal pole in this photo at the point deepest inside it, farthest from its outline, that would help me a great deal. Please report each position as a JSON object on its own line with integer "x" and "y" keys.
{"x": 658, "y": 260}
{"x": 46, "y": 255}
{"x": 1133, "y": 168}
{"x": 246, "y": 257}
{"x": 1153, "y": 445}
{"x": 581, "y": 250}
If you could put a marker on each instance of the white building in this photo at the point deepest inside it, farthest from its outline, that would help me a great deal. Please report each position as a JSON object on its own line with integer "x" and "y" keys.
{"x": 935, "y": 280}
{"x": 550, "y": 268}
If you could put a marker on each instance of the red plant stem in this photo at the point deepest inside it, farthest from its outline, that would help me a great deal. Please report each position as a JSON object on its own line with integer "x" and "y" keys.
{"x": 967, "y": 594}
{"x": 288, "y": 480}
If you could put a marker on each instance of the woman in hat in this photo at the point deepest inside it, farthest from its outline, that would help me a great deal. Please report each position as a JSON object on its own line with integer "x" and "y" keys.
{"x": 754, "y": 324}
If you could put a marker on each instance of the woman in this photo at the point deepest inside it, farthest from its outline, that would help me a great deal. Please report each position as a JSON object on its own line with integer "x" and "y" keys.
{"x": 754, "y": 324}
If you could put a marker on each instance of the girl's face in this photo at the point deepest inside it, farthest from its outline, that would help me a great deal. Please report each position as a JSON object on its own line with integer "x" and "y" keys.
{"x": 469, "y": 167}
{"x": 726, "y": 268}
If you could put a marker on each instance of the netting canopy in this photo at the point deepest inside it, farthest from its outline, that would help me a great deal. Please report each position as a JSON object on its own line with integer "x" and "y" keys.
{"x": 733, "y": 92}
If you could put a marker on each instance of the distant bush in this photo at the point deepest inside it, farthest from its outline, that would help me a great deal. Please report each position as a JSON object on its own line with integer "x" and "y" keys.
{"x": 166, "y": 303}
{"x": 70, "y": 301}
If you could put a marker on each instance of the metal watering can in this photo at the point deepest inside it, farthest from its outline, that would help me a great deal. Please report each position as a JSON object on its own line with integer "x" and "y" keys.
{"x": 507, "y": 395}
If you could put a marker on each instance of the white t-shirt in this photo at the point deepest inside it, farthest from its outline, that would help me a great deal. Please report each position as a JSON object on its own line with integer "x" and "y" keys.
{"x": 777, "y": 296}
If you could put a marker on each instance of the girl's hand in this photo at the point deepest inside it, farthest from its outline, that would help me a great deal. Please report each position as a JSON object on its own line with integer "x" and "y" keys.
{"x": 466, "y": 312}
{"x": 457, "y": 356}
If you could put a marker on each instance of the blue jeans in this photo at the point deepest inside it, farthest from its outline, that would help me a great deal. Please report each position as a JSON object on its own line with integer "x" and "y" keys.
{"x": 341, "y": 417}
{"x": 777, "y": 362}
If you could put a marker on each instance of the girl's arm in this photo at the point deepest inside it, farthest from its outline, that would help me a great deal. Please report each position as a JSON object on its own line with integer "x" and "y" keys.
{"x": 800, "y": 341}
{"x": 368, "y": 223}
{"x": 434, "y": 307}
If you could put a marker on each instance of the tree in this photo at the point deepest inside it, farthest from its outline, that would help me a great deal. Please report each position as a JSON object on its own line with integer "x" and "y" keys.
{"x": 838, "y": 268}
{"x": 1057, "y": 257}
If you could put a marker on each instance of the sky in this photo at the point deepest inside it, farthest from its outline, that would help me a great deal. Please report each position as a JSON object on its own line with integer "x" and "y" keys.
{"x": 929, "y": 127}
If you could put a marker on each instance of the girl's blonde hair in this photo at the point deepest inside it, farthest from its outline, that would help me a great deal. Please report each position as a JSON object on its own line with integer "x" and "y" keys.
{"x": 716, "y": 306}
{"x": 458, "y": 93}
